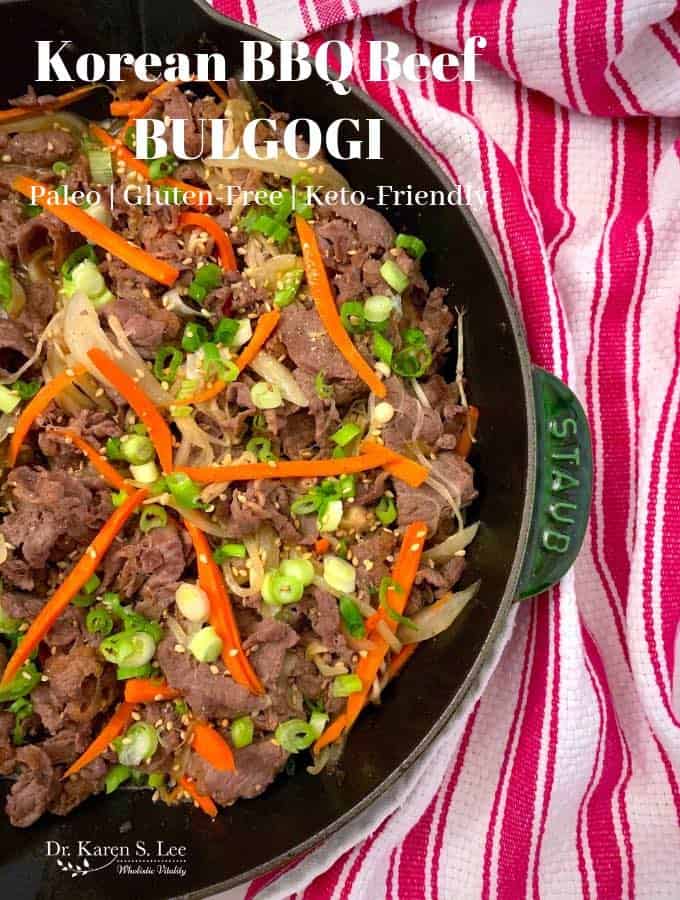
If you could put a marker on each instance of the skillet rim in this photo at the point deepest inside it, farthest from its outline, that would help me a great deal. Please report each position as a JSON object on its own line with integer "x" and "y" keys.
{"x": 511, "y": 587}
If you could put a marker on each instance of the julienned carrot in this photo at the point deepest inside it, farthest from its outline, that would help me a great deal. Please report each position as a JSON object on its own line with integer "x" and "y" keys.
{"x": 466, "y": 440}
{"x": 320, "y": 289}
{"x": 225, "y": 251}
{"x": 202, "y": 195}
{"x": 148, "y": 690}
{"x": 38, "y": 405}
{"x": 105, "y": 469}
{"x": 211, "y": 746}
{"x": 302, "y": 468}
{"x": 397, "y": 663}
{"x": 332, "y": 733}
{"x": 221, "y": 614}
{"x": 25, "y": 112}
{"x": 403, "y": 575}
{"x": 133, "y": 109}
{"x": 114, "y": 727}
{"x": 266, "y": 325}
{"x": 202, "y": 800}
{"x": 67, "y": 590}
{"x": 263, "y": 330}
{"x": 399, "y": 466}
{"x": 321, "y": 546}
{"x": 146, "y": 410}
{"x": 96, "y": 232}
{"x": 219, "y": 91}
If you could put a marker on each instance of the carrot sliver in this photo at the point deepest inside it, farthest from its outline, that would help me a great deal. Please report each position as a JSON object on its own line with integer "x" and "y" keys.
{"x": 148, "y": 690}
{"x": 317, "y": 468}
{"x": 202, "y": 800}
{"x": 133, "y": 109}
{"x": 113, "y": 728}
{"x": 465, "y": 441}
{"x": 263, "y": 330}
{"x": 321, "y": 546}
{"x": 219, "y": 91}
{"x": 266, "y": 325}
{"x": 397, "y": 663}
{"x": 206, "y": 223}
{"x": 159, "y": 432}
{"x": 105, "y": 469}
{"x": 96, "y": 232}
{"x": 403, "y": 574}
{"x": 212, "y": 747}
{"x": 25, "y": 112}
{"x": 67, "y": 590}
{"x": 398, "y": 465}
{"x": 38, "y": 405}
{"x": 332, "y": 733}
{"x": 124, "y": 154}
{"x": 324, "y": 301}
{"x": 221, "y": 612}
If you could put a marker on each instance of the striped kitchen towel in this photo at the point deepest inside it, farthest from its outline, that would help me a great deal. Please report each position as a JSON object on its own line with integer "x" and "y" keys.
{"x": 560, "y": 778}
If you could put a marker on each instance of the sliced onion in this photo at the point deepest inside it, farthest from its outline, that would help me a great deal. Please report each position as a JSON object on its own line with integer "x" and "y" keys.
{"x": 432, "y": 620}
{"x": 268, "y": 546}
{"x": 68, "y": 120}
{"x": 239, "y": 589}
{"x": 71, "y": 399}
{"x": 83, "y": 331}
{"x": 193, "y": 438}
{"x": 7, "y": 421}
{"x": 270, "y": 272}
{"x": 320, "y": 761}
{"x": 177, "y": 631}
{"x": 421, "y": 396}
{"x": 173, "y": 301}
{"x": 273, "y": 371}
{"x": 37, "y": 270}
{"x": 454, "y": 544}
{"x": 388, "y": 635}
{"x": 317, "y": 169}
{"x": 256, "y": 567}
{"x": 200, "y": 520}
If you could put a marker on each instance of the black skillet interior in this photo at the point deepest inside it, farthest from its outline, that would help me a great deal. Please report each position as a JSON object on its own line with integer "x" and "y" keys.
{"x": 302, "y": 809}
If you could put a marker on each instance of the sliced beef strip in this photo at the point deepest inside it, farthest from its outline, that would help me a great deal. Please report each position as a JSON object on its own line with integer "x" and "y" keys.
{"x": 55, "y": 513}
{"x": 412, "y": 422}
{"x": 68, "y": 628}
{"x": 77, "y": 788}
{"x": 67, "y": 744}
{"x": 34, "y": 790}
{"x": 11, "y": 219}
{"x": 146, "y": 324}
{"x": 373, "y": 564}
{"x": 177, "y": 106}
{"x": 425, "y": 502}
{"x": 256, "y": 767}
{"x": 436, "y": 323}
{"x": 443, "y": 579}
{"x": 38, "y": 148}
{"x": 372, "y": 228}
{"x": 266, "y": 647}
{"x": 96, "y": 426}
{"x": 42, "y": 230}
{"x": 17, "y": 573}
{"x": 7, "y": 748}
{"x": 209, "y": 695}
{"x": 324, "y": 617}
{"x": 41, "y": 301}
{"x": 15, "y": 347}
{"x": 151, "y": 564}
{"x": 308, "y": 344}
{"x": 261, "y": 502}
{"x": 81, "y": 684}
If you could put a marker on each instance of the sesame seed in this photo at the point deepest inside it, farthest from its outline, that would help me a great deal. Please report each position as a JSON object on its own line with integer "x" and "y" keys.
{"x": 202, "y": 558}
{"x": 233, "y": 652}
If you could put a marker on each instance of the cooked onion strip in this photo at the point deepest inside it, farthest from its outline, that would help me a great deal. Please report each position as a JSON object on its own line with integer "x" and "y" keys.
{"x": 432, "y": 620}
{"x": 452, "y": 545}
{"x": 273, "y": 371}
{"x": 321, "y": 173}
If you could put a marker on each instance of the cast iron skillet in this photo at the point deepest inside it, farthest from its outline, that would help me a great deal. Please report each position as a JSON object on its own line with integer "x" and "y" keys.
{"x": 531, "y": 425}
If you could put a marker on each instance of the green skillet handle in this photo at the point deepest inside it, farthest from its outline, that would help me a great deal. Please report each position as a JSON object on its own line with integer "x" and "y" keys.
{"x": 564, "y": 482}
